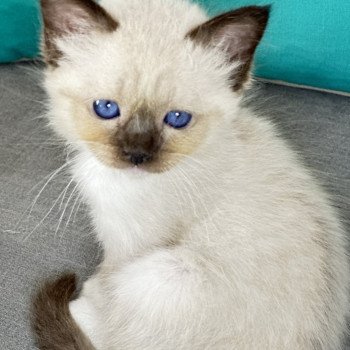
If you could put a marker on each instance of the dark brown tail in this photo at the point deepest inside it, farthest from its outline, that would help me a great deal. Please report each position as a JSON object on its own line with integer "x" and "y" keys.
{"x": 52, "y": 321}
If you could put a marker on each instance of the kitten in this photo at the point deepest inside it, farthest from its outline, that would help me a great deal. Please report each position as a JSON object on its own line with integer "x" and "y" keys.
{"x": 215, "y": 236}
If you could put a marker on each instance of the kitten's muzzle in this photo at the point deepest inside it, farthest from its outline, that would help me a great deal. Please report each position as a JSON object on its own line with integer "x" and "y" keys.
{"x": 138, "y": 142}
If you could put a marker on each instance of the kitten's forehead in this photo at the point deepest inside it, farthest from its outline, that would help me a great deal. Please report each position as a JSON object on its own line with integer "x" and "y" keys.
{"x": 154, "y": 31}
{"x": 147, "y": 59}
{"x": 159, "y": 18}
{"x": 152, "y": 34}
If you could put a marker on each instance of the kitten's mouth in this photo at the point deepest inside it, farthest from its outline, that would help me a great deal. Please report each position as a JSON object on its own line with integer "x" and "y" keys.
{"x": 136, "y": 169}
{"x": 135, "y": 172}
{"x": 143, "y": 169}
{"x": 155, "y": 166}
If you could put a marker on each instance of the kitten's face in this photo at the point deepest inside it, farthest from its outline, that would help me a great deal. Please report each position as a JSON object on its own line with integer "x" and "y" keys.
{"x": 138, "y": 93}
{"x": 145, "y": 89}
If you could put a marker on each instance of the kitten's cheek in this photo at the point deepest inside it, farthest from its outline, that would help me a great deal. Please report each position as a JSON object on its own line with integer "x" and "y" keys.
{"x": 102, "y": 153}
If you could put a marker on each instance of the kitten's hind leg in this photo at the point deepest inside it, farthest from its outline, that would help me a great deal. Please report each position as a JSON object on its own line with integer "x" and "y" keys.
{"x": 162, "y": 301}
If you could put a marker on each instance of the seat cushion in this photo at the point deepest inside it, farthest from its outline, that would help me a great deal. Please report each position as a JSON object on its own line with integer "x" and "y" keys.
{"x": 306, "y": 43}
{"x": 20, "y": 28}
{"x": 44, "y": 230}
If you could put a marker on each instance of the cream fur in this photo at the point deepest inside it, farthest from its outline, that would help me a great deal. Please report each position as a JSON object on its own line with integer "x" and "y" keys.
{"x": 235, "y": 246}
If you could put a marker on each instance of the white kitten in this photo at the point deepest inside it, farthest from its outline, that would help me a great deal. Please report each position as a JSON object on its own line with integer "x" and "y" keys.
{"x": 215, "y": 236}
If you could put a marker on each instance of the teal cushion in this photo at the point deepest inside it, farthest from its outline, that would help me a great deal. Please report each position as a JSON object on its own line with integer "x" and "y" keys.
{"x": 19, "y": 29}
{"x": 307, "y": 42}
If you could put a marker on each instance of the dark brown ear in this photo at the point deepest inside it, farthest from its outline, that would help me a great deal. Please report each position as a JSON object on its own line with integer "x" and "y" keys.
{"x": 68, "y": 17}
{"x": 238, "y": 33}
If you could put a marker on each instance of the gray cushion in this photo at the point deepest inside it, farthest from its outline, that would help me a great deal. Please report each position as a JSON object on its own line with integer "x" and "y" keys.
{"x": 32, "y": 244}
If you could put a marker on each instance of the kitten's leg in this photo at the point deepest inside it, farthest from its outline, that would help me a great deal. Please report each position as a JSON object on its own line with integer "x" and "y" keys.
{"x": 163, "y": 301}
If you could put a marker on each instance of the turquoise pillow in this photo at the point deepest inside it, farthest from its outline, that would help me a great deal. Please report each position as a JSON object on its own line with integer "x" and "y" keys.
{"x": 307, "y": 41}
{"x": 19, "y": 29}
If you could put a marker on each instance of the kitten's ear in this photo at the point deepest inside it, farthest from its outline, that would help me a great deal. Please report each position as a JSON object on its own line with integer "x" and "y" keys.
{"x": 69, "y": 17}
{"x": 238, "y": 33}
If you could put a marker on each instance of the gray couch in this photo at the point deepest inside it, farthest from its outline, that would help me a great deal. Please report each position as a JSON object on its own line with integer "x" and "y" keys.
{"x": 33, "y": 245}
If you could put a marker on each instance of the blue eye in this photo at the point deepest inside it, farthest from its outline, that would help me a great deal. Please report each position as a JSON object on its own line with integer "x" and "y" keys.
{"x": 178, "y": 119}
{"x": 106, "y": 109}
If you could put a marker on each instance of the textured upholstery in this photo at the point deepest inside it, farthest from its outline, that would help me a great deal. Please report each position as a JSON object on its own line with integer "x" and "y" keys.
{"x": 33, "y": 246}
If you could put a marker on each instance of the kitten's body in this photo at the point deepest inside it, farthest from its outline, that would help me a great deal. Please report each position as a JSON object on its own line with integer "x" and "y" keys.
{"x": 250, "y": 257}
{"x": 234, "y": 246}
